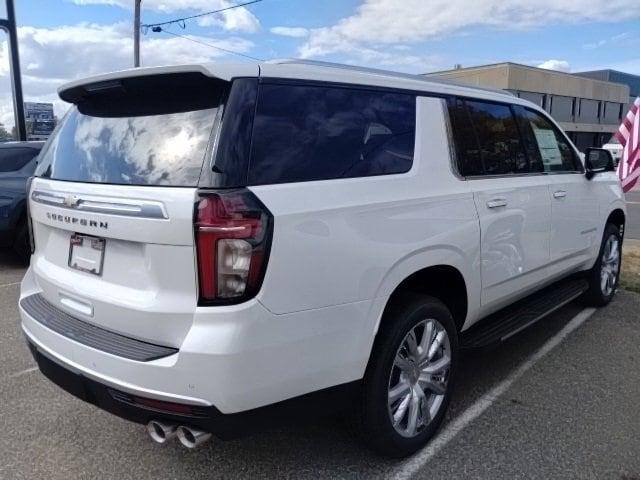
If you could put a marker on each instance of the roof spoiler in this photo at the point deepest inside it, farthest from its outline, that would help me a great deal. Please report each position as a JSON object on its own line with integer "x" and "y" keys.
{"x": 79, "y": 90}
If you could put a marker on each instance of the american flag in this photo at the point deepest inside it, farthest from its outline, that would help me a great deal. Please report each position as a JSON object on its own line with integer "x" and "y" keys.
{"x": 629, "y": 137}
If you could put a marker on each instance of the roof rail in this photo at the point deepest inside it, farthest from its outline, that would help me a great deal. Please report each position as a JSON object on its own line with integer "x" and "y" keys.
{"x": 386, "y": 73}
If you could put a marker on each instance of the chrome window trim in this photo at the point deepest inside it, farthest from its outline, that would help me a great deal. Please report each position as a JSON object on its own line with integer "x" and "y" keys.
{"x": 106, "y": 205}
{"x": 529, "y": 174}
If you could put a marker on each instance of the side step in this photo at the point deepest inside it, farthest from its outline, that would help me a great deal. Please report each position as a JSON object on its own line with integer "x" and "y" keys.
{"x": 514, "y": 318}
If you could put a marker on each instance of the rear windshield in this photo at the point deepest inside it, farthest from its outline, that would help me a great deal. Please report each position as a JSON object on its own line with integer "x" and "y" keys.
{"x": 150, "y": 138}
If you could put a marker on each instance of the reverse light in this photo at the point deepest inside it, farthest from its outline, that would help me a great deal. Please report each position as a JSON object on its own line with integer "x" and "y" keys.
{"x": 233, "y": 233}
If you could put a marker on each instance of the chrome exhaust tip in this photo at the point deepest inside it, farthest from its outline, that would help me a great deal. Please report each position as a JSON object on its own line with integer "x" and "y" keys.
{"x": 160, "y": 432}
{"x": 190, "y": 437}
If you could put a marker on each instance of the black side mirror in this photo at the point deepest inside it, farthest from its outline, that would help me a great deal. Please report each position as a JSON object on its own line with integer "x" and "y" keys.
{"x": 598, "y": 160}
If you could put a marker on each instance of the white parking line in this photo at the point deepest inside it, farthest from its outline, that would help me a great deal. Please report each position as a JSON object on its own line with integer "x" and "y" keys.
{"x": 10, "y": 284}
{"x": 412, "y": 465}
{"x": 634, "y": 203}
{"x": 23, "y": 372}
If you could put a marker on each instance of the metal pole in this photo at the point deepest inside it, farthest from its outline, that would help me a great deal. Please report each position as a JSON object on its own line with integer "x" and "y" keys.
{"x": 136, "y": 33}
{"x": 9, "y": 26}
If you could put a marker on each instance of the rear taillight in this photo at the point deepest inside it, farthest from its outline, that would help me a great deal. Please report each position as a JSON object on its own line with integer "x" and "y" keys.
{"x": 233, "y": 235}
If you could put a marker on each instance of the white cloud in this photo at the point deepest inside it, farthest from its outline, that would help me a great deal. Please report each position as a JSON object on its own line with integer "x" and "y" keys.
{"x": 237, "y": 19}
{"x": 384, "y": 22}
{"x": 625, "y": 38}
{"x": 52, "y": 56}
{"x": 296, "y": 32}
{"x": 558, "y": 65}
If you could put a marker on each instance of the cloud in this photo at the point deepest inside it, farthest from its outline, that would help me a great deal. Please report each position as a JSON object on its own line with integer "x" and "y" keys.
{"x": 558, "y": 65}
{"x": 296, "y": 32}
{"x": 627, "y": 38}
{"x": 52, "y": 56}
{"x": 385, "y": 22}
{"x": 237, "y": 19}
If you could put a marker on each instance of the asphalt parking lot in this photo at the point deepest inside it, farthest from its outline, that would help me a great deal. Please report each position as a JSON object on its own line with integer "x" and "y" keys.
{"x": 559, "y": 400}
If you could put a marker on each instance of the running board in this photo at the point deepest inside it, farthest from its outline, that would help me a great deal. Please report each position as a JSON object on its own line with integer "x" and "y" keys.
{"x": 507, "y": 322}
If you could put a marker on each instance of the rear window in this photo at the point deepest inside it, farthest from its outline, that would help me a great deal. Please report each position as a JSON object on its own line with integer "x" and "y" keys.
{"x": 145, "y": 132}
{"x": 305, "y": 133}
{"x": 14, "y": 159}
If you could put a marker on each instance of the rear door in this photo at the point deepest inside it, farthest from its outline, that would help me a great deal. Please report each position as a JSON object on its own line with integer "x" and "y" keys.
{"x": 512, "y": 202}
{"x": 112, "y": 207}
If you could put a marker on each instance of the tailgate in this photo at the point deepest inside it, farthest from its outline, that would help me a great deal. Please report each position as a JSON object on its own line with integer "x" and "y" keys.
{"x": 144, "y": 281}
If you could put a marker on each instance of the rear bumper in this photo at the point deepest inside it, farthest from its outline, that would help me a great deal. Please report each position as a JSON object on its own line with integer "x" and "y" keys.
{"x": 235, "y": 358}
{"x": 210, "y": 419}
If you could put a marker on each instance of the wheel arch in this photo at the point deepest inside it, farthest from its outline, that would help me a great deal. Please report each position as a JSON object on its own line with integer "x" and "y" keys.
{"x": 617, "y": 217}
{"x": 442, "y": 281}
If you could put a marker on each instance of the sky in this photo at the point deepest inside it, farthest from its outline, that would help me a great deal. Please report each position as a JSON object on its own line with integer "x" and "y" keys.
{"x": 61, "y": 40}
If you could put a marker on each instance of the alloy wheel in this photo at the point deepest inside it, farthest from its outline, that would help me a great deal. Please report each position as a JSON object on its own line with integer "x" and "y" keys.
{"x": 419, "y": 377}
{"x": 610, "y": 265}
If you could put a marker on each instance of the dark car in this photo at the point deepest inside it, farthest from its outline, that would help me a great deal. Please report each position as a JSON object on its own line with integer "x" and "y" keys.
{"x": 18, "y": 161}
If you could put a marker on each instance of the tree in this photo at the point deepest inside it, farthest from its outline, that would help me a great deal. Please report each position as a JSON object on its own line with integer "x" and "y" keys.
{"x": 5, "y": 136}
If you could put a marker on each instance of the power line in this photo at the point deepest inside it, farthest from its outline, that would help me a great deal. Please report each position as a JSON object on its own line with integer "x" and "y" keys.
{"x": 181, "y": 21}
{"x": 160, "y": 29}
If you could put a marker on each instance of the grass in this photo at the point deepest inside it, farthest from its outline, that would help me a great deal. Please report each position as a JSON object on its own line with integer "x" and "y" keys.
{"x": 630, "y": 276}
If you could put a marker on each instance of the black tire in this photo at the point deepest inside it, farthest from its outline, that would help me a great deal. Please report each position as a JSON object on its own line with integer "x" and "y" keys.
{"x": 21, "y": 245}
{"x": 595, "y": 296}
{"x": 374, "y": 418}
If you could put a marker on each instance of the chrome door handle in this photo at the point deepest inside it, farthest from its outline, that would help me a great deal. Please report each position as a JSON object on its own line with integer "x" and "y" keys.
{"x": 497, "y": 202}
{"x": 559, "y": 194}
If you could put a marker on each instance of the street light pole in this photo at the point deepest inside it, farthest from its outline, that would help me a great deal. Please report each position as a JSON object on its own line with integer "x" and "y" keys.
{"x": 136, "y": 33}
{"x": 9, "y": 26}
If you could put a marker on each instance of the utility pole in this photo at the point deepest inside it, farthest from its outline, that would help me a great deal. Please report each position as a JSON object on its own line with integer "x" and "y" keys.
{"x": 136, "y": 33}
{"x": 9, "y": 26}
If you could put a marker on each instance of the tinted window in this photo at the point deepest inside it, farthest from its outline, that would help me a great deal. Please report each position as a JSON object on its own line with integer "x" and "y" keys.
{"x": 304, "y": 133}
{"x": 234, "y": 142}
{"x": 13, "y": 159}
{"x": 499, "y": 140}
{"x": 466, "y": 142}
{"x": 163, "y": 149}
{"x": 554, "y": 153}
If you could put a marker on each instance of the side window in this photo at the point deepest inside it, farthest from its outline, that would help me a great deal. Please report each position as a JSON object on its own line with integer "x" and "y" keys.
{"x": 13, "y": 159}
{"x": 464, "y": 136}
{"x": 554, "y": 153}
{"x": 499, "y": 140}
{"x": 305, "y": 133}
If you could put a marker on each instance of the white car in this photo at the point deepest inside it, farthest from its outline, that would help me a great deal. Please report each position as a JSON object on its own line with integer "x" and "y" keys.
{"x": 217, "y": 247}
{"x": 614, "y": 146}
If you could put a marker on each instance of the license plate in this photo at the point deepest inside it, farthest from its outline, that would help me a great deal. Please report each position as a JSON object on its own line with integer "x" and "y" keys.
{"x": 86, "y": 253}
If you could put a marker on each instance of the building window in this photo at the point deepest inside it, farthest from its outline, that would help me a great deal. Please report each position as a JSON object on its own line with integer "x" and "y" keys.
{"x": 537, "y": 98}
{"x": 588, "y": 111}
{"x": 611, "y": 113}
{"x": 562, "y": 108}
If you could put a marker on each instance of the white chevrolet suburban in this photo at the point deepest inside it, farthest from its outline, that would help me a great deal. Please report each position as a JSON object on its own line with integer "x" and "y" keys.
{"x": 218, "y": 247}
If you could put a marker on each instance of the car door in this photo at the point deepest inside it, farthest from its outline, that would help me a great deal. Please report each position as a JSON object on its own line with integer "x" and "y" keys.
{"x": 512, "y": 203}
{"x": 573, "y": 198}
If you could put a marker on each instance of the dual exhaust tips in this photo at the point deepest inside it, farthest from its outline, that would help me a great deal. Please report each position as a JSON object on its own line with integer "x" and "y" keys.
{"x": 161, "y": 432}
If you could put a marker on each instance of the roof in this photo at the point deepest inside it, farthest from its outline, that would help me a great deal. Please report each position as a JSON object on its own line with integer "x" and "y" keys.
{"x": 489, "y": 66}
{"x": 305, "y": 70}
